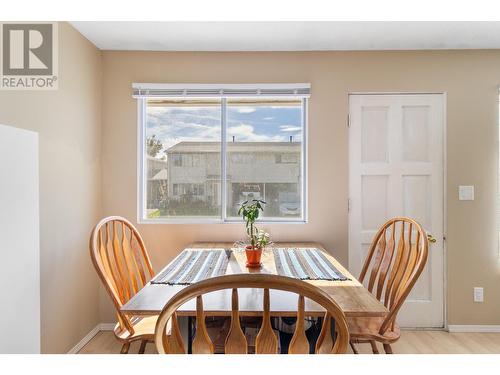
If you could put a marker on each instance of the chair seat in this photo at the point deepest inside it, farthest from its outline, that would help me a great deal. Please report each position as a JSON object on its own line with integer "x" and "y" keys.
{"x": 364, "y": 328}
{"x": 144, "y": 329}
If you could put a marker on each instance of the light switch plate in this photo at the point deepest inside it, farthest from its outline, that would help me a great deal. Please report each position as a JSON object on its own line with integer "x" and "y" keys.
{"x": 466, "y": 193}
{"x": 478, "y": 294}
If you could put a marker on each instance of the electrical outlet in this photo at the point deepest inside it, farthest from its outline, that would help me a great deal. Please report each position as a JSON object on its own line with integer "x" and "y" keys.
{"x": 478, "y": 294}
{"x": 466, "y": 192}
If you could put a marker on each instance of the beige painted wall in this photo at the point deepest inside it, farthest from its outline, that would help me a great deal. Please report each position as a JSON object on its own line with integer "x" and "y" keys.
{"x": 470, "y": 79}
{"x": 69, "y": 125}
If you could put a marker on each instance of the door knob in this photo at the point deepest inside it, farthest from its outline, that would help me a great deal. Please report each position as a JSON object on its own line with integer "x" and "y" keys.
{"x": 431, "y": 238}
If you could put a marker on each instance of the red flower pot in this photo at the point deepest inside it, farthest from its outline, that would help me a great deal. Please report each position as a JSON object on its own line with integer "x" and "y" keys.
{"x": 253, "y": 256}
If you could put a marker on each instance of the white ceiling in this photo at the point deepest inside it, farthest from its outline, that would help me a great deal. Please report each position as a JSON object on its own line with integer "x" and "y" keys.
{"x": 290, "y": 36}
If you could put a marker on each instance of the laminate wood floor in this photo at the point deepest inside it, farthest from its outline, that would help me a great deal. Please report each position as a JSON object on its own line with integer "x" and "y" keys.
{"x": 411, "y": 342}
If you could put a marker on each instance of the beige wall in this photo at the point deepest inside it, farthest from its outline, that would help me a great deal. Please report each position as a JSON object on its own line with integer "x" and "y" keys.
{"x": 69, "y": 125}
{"x": 469, "y": 78}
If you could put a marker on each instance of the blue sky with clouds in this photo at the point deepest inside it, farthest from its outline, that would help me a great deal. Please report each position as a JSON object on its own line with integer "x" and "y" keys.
{"x": 247, "y": 124}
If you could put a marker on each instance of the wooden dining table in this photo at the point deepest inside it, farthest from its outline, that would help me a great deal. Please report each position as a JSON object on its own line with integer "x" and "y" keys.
{"x": 352, "y": 297}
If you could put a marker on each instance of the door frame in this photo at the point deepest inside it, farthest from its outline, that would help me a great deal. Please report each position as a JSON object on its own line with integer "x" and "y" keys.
{"x": 445, "y": 184}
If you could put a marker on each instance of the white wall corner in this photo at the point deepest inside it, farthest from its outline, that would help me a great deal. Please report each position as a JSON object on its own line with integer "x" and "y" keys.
{"x": 20, "y": 246}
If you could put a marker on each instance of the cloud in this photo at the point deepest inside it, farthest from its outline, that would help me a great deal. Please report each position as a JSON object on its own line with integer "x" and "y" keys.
{"x": 269, "y": 118}
{"x": 171, "y": 126}
{"x": 246, "y": 133}
{"x": 290, "y": 128}
{"x": 246, "y": 109}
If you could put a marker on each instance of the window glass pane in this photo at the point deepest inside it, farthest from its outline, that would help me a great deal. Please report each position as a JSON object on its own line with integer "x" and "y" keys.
{"x": 264, "y": 145}
{"x": 183, "y": 158}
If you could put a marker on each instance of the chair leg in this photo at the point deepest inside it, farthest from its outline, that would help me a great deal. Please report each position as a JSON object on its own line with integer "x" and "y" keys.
{"x": 387, "y": 348}
{"x": 125, "y": 348}
{"x": 142, "y": 349}
{"x": 374, "y": 347}
{"x": 353, "y": 347}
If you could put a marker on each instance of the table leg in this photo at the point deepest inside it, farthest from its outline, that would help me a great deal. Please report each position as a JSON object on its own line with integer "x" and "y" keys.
{"x": 190, "y": 335}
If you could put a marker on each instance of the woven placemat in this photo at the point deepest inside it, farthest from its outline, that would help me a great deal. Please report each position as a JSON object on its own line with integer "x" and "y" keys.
{"x": 305, "y": 264}
{"x": 194, "y": 265}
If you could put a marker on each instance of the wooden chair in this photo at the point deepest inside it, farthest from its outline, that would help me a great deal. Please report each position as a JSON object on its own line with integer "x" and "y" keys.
{"x": 122, "y": 263}
{"x": 395, "y": 260}
{"x": 266, "y": 341}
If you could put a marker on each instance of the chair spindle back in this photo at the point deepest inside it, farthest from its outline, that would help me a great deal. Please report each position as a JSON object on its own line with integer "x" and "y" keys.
{"x": 395, "y": 260}
{"x": 121, "y": 261}
{"x": 266, "y": 341}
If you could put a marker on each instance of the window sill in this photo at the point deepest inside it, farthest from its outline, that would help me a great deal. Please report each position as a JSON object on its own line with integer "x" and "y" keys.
{"x": 193, "y": 221}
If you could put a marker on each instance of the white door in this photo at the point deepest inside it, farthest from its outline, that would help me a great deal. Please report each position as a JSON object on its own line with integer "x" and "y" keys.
{"x": 396, "y": 169}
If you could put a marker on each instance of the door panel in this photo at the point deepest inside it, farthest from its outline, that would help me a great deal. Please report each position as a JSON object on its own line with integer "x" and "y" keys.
{"x": 396, "y": 169}
{"x": 374, "y": 134}
{"x": 415, "y": 136}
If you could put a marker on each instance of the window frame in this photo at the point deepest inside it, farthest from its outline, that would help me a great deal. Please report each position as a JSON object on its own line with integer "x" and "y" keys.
{"x": 223, "y": 218}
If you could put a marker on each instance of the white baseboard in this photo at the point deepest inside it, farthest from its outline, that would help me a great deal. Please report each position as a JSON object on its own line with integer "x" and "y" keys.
{"x": 473, "y": 328}
{"x": 89, "y": 336}
{"x": 107, "y": 326}
{"x": 423, "y": 329}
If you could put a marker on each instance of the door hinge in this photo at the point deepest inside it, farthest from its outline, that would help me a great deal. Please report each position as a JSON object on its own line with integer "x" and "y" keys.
{"x": 348, "y": 205}
{"x": 348, "y": 120}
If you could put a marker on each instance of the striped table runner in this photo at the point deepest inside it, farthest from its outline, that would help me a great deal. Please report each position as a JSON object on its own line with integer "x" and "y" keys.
{"x": 305, "y": 264}
{"x": 191, "y": 266}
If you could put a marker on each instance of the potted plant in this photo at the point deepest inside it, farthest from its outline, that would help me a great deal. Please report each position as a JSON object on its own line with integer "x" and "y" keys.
{"x": 250, "y": 211}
